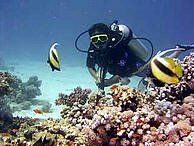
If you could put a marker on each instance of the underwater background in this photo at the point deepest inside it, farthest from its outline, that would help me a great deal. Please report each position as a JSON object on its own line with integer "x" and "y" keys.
{"x": 28, "y": 28}
{"x": 30, "y": 91}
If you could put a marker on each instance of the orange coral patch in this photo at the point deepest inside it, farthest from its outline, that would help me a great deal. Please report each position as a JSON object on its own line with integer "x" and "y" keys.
{"x": 113, "y": 87}
{"x": 4, "y": 134}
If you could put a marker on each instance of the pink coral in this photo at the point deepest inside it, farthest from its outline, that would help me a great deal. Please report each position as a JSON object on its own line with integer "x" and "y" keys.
{"x": 91, "y": 136}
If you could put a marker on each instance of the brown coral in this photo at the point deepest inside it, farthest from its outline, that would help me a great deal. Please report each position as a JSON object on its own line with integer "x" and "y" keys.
{"x": 6, "y": 79}
{"x": 78, "y": 95}
{"x": 127, "y": 98}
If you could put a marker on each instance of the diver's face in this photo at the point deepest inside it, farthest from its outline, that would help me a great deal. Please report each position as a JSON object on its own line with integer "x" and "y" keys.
{"x": 99, "y": 40}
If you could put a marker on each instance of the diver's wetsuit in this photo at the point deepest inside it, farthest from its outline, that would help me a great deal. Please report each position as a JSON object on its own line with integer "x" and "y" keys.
{"x": 118, "y": 60}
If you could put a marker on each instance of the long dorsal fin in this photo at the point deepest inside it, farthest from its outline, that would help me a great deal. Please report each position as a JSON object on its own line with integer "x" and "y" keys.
{"x": 161, "y": 53}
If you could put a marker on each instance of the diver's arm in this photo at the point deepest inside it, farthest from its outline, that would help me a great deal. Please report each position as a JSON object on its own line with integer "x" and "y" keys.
{"x": 94, "y": 74}
{"x": 113, "y": 80}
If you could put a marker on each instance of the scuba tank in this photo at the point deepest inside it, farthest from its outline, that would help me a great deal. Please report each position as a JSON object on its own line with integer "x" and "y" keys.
{"x": 138, "y": 48}
{"x": 135, "y": 44}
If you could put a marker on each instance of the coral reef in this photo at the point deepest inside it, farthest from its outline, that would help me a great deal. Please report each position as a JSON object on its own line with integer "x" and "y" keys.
{"x": 123, "y": 117}
{"x": 38, "y": 133}
{"x": 151, "y": 123}
{"x": 15, "y": 123}
{"x": 15, "y": 94}
{"x": 78, "y": 95}
{"x": 6, "y": 81}
{"x": 26, "y": 91}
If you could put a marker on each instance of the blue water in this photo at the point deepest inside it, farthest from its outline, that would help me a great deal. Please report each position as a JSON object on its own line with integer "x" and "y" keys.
{"x": 29, "y": 27}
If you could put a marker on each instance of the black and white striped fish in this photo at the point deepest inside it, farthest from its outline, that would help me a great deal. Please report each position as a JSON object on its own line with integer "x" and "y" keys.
{"x": 53, "y": 58}
{"x": 165, "y": 69}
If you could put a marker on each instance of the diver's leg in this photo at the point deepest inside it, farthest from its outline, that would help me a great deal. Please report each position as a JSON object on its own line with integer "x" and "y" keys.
{"x": 124, "y": 80}
{"x": 113, "y": 80}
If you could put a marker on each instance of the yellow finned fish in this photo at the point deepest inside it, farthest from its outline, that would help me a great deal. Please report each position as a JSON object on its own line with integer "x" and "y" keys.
{"x": 53, "y": 58}
{"x": 165, "y": 69}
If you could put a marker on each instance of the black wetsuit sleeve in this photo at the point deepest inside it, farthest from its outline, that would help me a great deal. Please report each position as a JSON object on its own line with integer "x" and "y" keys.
{"x": 90, "y": 62}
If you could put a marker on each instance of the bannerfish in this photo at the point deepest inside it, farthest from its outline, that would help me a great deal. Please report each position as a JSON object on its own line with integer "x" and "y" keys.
{"x": 53, "y": 58}
{"x": 165, "y": 69}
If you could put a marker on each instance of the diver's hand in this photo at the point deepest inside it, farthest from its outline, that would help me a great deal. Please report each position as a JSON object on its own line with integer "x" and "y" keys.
{"x": 101, "y": 93}
{"x": 99, "y": 85}
{"x": 107, "y": 82}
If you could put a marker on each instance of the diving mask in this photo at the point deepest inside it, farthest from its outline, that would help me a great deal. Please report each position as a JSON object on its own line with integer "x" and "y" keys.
{"x": 100, "y": 37}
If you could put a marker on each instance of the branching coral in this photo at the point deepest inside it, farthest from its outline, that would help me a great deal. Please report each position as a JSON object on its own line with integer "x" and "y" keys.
{"x": 78, "y": 95}
{"x": 125, "y": 97}
{"x": 188, "y": 68}
{"x": 78, "y": 115}
{"x": 6, "y": 81}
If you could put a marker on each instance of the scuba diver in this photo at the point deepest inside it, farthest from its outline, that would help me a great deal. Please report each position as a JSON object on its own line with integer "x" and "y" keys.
{"x": 113, "y": 50}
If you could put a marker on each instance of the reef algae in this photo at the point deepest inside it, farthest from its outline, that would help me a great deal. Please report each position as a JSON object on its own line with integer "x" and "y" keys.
{"x": 125, "y": 117}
